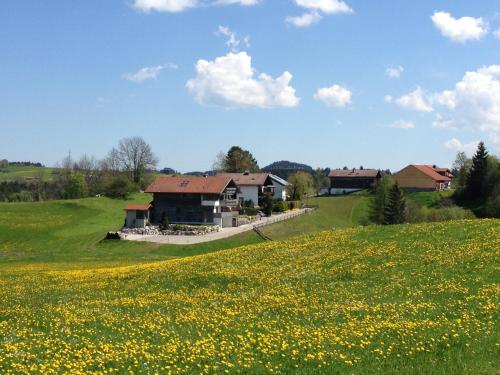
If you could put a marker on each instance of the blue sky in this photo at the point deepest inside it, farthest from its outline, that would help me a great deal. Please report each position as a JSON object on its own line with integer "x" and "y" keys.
{"x": 373, "y": 83}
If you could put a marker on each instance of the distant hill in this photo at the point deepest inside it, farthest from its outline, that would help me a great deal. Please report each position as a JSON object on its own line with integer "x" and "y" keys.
{"x": 285, "y": 168}
{"x": 287, "y": 165}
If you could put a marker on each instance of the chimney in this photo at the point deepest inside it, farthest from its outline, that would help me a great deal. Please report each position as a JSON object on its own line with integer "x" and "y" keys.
{"x": 205, "y": 174}
{"x": 246, "y": 173}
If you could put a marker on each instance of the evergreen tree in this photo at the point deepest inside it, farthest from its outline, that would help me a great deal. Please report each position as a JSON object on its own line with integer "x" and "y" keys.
{"x": 237, "y": 160}
{"x": 475, "y": 185}
{"x": 267, "y": 204}
{"x": 394, "y": 212}
{"x": 377, "y": 208}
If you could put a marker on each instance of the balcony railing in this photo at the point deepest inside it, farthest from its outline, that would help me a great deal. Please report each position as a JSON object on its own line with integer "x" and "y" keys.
{"x": 230, "y": 202}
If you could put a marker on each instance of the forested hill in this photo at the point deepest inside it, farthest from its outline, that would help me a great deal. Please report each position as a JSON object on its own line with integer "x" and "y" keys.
{"x": 287, "y": 165}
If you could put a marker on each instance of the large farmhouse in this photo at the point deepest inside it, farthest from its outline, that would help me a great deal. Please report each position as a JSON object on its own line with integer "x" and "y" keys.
{"x": 416, "y": 177}
{"x": 343, "y": 181}
{"x": 188, "y": 200}
{"x": 252, "y": 186}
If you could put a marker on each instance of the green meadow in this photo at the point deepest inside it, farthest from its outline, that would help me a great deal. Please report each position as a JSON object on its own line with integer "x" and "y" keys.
{"x": 340, "y": 298}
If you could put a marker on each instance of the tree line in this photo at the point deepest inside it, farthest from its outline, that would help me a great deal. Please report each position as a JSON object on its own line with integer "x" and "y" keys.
{"x": 125, "y": 169}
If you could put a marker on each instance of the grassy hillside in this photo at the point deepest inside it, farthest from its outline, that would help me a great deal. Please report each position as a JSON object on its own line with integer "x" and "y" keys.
{"x": 14, "y": 172}
{"x": 332, "y": 212}
{"x": 402, "y": 299}
{"x": 69, "y": 233}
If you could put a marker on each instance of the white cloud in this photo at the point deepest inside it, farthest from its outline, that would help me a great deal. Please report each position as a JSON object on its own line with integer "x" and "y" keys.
{"x": 315, "y": 10}
{"x": 240, "y": 2}
{"x": 388, "y": 98}
{"x": 229, "y": 81}
{"x": 233, "y": 42}
{"x": 474, "y": 103}
{"x": 456, "y": 145}
{"x": 149, "y": 72}
{"x": 306, "y": 19}
{"x": 403, "y": 124}
{"x": 165, "y": 5}
{"x": 174, "y": 6}
{"x": 334, "y": 96}
{"x": 394, "y": 71}
{"x": 325, "y": 6}
{"x": 415, "y": 100}
{"x": 459, "y": 29}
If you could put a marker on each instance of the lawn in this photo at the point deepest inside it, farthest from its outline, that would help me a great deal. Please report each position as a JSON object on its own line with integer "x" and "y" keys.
{"x": 332, "y": 212}
{"x": 14, "y": 172}
{"x": 69, "y": 234}
{"x": 412, "y": 299}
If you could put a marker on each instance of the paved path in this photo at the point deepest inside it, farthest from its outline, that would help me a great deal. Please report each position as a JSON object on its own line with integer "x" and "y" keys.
{"x": 223, "y": 233}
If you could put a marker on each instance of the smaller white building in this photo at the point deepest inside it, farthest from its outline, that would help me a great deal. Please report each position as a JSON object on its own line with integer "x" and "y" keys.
{"x": 279, "y": 186}
{"x": 137, "y": 215}
{"x": 251, "y": 186}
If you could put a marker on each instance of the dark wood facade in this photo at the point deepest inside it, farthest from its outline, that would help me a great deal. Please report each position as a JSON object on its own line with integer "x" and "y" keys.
{"x": 352, "y": 182}
{"x": 182, "y": 208}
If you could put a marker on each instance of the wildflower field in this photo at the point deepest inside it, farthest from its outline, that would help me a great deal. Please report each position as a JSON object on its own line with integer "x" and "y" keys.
{"x": 409, "y": 299}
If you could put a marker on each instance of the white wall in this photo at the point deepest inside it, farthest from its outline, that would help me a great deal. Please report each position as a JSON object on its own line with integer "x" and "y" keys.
{"x": 279, "y": 191}
{"x": 249, "y": 193}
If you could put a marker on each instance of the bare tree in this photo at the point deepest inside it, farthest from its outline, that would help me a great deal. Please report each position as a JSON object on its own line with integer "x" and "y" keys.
{"x": 219, "y": 164}
{"x": 135, "y": 156}
{"x": 110, "y": 164}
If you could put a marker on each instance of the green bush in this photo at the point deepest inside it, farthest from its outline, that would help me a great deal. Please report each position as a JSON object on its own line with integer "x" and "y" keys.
{"x": 250, "y": 211}
{"x": 119, "y": 187}
{"x": 280, "y": 206}
{"x": 294, "y": 204}
{"x": 445, "y": 214}
{"x": 492, "y": 207}
{"x": 164, "y": 222}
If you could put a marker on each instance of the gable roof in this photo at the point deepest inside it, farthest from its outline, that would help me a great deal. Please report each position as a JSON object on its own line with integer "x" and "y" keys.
{"x": 189, "y": 184}
{"x": 431, "y": 172}
{"x": 247, "y": 179}
{"x": 354, "y": 173}
{"x": 137, "y": 207}
{"x": 279, "y": 180}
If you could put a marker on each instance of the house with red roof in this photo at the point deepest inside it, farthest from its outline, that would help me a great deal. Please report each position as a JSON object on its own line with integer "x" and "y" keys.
{"x": 418, "y": 177}
{"x": 189, "y": 200}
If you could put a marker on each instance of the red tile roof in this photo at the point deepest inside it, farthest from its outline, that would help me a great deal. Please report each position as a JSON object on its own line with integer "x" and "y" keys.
{"x": 431, "y": 172}
{"x": 190, "y": 185}
{"x": 354, "y": 173}
{"x": 137, "y": 207}
{"x": 247, "y": 179}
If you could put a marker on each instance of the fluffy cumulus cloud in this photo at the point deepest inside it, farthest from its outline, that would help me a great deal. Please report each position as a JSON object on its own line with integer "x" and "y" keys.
{"x": 315, "y": 9}
{"x": 165, "y": 5}
{"x": 174, "y": 6}
{"x": 457, "y": 145}
{"x": 146, "y": 73}
{"x": 239, "y": 2}
{"x": 461, "y": 29}
{"x": 304, "y": 20}
{"x": 230, "y": 81}
{"x": 325, "y": 6}
{"x": 334, "y": 96}
{"x": 415, "y": 100}
{"x": 473, "y": 104}
{"x": 394, "y": 71}
{"x": 402, "y": 124}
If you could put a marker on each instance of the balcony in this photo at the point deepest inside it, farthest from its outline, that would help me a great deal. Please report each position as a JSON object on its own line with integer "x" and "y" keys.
{"x": 230, "y": 202}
